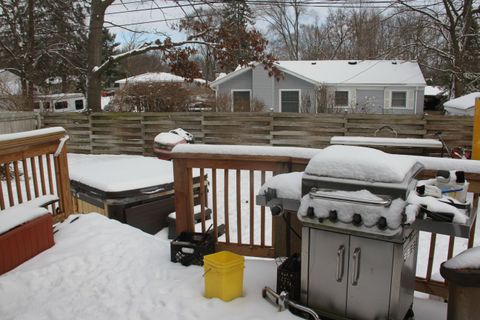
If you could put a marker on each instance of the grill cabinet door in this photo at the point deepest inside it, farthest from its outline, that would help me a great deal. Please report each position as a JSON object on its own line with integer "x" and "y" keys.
{"x": 369, "y": 278}
{"x": 328, "y": 271}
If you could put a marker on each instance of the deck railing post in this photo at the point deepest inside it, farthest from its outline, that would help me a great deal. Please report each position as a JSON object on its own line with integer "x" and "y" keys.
{"x": 183, "y": 196}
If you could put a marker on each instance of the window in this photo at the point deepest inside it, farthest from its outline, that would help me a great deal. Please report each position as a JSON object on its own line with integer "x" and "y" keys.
{"x": 341, "y": 98}
{"x": 79, "y": 104}
{"x": 46, "y": 105}
{"x": 36, "y": 105}
{"x": 241, "y": 101}
{"x": 290, "y": 100}
{"x": 399, "y": 99}
{"x": 61, "y": 105}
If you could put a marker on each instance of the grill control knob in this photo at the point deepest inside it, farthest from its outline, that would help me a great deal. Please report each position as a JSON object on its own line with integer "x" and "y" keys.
{"x": 310, "y": 212}
{"x": 382, "y": 223}
{"x": 333, "y": 216}
{"x": 357, "y": 219}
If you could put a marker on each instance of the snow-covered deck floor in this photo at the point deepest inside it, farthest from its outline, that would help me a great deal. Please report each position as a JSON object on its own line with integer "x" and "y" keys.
{"x": 102, "y": 269}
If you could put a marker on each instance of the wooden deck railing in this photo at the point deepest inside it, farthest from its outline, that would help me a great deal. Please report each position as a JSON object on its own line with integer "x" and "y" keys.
{"x": 184, "y": 163}
{"x": 31, "y": 169}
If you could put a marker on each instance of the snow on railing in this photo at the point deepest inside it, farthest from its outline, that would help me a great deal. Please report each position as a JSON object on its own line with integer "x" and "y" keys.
{"x": 34, "y": 164}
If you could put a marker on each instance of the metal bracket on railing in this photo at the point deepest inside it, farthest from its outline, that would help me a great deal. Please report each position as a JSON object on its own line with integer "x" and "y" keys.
{"x": 282, "y": 302}
{"x": 60, "y": 145}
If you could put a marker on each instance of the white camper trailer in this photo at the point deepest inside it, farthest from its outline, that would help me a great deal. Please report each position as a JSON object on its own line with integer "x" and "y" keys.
{"x": 61, "y": 102}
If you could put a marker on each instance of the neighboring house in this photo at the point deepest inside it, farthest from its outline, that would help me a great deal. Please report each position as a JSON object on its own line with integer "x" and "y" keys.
{"x": 462, "y": 106}
{"x": 373, "y": 86}
{"x": 60, "y": 102}
{"x": 156, "y": 77}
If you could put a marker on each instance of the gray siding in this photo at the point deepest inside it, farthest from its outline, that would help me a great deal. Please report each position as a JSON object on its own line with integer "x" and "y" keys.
{"x": 262, "y": 88}
{"x": 292, "y": 82}
{"x": 240, "y": 82}
{"x": 371, "y": 101}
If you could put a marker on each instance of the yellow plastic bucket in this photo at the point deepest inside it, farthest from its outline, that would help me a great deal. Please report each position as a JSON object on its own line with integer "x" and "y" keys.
{"x": 223, "y": 275}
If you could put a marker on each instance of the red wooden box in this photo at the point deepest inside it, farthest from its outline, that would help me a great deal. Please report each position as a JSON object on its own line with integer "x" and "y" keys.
{"x": 24, "y": 242}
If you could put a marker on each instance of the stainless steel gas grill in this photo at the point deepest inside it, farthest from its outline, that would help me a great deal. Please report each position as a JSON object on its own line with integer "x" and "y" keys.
{"x": 358, "y": 258}
{"x": 359, "y": 231}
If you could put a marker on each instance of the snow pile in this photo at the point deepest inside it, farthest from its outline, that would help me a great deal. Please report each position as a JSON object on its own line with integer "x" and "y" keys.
{"x": 360, "y": 163}
{"x": 295, "y": 152}
{"x": 393, "y": 214}
{"x": 468, "y": 259}
{"x": 114, "y": 173}
{"x": 288, "y": 185}
{"x": 21, "y": 213}
{"x": 102, "y": 269}
{"x": 168, "y": 138}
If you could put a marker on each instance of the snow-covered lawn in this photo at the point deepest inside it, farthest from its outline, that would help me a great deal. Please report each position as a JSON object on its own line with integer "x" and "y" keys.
{"x": 102, "y": 269}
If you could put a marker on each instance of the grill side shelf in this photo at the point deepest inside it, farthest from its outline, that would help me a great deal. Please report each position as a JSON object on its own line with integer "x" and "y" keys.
{"x": 447, "y": 228}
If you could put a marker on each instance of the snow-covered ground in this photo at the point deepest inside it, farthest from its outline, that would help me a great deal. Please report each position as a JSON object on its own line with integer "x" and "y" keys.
{"x": 102, "y": 269}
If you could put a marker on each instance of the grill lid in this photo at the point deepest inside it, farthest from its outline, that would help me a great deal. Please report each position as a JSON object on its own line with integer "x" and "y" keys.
{"x": 361, "y": 163}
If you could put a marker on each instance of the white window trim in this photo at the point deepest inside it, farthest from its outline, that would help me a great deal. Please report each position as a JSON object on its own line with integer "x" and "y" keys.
{"x": 299, "y": 98}
{"x": 240, "y": 90}
{"x": 407, "y": 93}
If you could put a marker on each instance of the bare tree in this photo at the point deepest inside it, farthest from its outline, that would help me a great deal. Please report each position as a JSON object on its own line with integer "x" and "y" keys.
{"x": 283, "y": 19}
{"x": 457, "y": 21}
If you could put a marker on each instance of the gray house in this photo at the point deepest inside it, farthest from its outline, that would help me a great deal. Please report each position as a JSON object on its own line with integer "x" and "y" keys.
{"x": 371, "y": 86}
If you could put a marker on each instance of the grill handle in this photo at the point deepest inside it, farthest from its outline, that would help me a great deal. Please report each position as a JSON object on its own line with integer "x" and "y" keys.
{"x": 356, "y": 266}
{"x": 324, "y": 194}
{"x": 340, "y": 263}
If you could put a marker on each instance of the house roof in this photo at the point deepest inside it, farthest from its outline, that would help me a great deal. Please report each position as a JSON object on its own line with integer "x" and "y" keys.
{"x": 348, "y": 72}
{"x": 434, "y": 91}
{"x": 464, "y": 102}
{"x": 155, "y": 77}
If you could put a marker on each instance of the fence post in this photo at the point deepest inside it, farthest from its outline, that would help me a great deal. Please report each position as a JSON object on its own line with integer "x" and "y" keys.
{"x": 476, "y": 131}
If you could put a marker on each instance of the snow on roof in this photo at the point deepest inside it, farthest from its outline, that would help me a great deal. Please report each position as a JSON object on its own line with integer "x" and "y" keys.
{"x": 58, "y": 96}
{"x": 463, "y": 102}
{"x": 348, "y": 72}
{"x": 152, "y": 77}
{"x": 434, "y": 91}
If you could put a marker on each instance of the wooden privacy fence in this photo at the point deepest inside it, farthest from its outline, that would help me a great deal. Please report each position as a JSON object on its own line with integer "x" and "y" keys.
{"x": 18, "y": 121}
{"x": 34, "y": 165}
{"x": 257, "y": 167}
{"x": 133, "y": 133}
